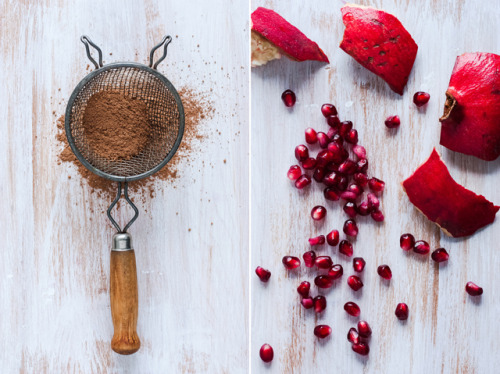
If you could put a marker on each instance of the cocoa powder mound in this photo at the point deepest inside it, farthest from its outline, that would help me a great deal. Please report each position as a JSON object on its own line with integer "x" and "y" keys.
{"x": 197, "y": 108}
{"x": 116, "y": 127}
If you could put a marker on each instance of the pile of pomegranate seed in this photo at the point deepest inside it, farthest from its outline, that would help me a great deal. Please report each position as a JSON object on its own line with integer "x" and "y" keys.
{"x": 359, "y": 338}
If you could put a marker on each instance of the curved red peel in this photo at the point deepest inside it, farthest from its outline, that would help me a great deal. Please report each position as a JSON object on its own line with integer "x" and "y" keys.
{"x": 471, "y": 119}
{"x": 456, "y": 210}
{"x": 379, "y": 42}
{"x": 289, "y": 39}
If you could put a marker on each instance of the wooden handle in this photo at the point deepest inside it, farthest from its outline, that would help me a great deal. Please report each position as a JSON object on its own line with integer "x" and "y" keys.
{"x": 124, "y": 302}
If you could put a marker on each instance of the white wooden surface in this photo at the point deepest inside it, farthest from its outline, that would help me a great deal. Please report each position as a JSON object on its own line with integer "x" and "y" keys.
{"x": 193, "y": 275}
{"x": 447, "y": 332}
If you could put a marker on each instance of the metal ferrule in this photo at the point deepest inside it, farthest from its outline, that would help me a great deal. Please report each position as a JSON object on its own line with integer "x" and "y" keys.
{"x": 122, "y": 241}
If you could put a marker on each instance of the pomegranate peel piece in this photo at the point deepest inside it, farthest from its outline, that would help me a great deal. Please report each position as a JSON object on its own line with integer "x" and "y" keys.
{"x": 456, "y": 210}
{"x": 380, "y": 43}
{"x": 471, "y": 120}
{"x": 273, "y": 36}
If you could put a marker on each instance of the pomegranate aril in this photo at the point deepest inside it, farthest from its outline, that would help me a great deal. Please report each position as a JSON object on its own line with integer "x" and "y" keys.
{"x": 352, "y": 309}
{"x": 309, "y": 164}
{"x": 323, "y": 281}
{"x": 473, "y": 289}
{"x": 348, "y": 196}
{"x": 376, "y": 185}
{"x": 323, "y": 140}
{"x": 331, "y": 179}
{"x": 355, "y": 282}
{"x": 323, "y": 262}
{"x": 421, "y": 247}
{"x": 303, "y": 181}
{"x": 328, "y": 110}
{"x": 342, "y": 184}
{"x": 359, "y": 151}
{"x": 350, "y": 209}
{"x": 361, "y": 349}
{"x": 364, "y": 208}
{"x": 407, "y": 242}
{"x": 377, "y": 215}
{"x": 331, "y": 132}
{"x": 421, "y": 98}
{"x": 358, "y": 264}
{"x": 362, "y": 166}
{"x": 319, "y": 174}
{"x": 319, "y": 303}
{"x": 402, "y": 311}
{"x": 318, "y": 240}
{"x": 303, "y": 288}
{"x": 373, "y": 201}
{"x": 333, "y": 121}
{"x": 318, "y": 213}
{"x": 356, "y": 188}
{"x": 353, "y": 336}
{"x": 338, "y": 139}
{"x": 311, "y": 135}
{"x": 361, "y": 179}
{"x": 345, "y": 247}
{"x": 309, "y": 258}
{"x": 345, "y": 127}
{"x": 364, "y": 329}
{"x": 291, "y": 262}
{"x": 307, "y": 302}
{"x": 351, "y": 228}
{"x": 322, "y": 331}
{"x": 301, "y": 152}
{"x": 294, "y": 172}
{"x": 348, "y": 167}
{"x": 352, "y": 137}
{"x": 336, "y": 271}
{"x": 384, "y": 271}
{"x": 324, "y": 157}
{"x": 440, "y": 255}
{"x": 392, "y": 122}
{"x": 331, "y": 194}
{"x": 289, "y": 98}
{"x": 263, "y": 274}
{"x": 338, "y": 151}
{"x": 332, "y": 238}
{"x": 266, "y": 353}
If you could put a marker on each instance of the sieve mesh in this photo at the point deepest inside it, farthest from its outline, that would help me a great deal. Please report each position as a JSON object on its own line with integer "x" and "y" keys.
{"x": 164, "y": 111}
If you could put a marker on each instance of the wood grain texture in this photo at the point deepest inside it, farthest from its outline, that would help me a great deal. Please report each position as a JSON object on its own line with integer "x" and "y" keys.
{"x": 191, "y": 239}
{"x": 124, "y": 298}
{"x": 447, "y": 332}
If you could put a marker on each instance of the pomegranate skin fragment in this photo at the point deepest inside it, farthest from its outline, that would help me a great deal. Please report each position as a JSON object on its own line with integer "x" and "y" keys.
{"x": 456, "y": 210}
{"x": 380, "y": 43}
{"x": 471, "y": 120}
{"x": 289, "y": 39}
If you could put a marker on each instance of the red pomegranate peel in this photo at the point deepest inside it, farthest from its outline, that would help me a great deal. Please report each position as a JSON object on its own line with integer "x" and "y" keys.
{"x": 269, "y": 27}
{"x": 471, "y": 120}
{"x": 380, "y": 43}
{"x": 456, "y": 210}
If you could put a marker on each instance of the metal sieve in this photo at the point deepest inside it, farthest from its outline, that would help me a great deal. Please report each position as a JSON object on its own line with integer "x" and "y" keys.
{"x": 165, "y": 114}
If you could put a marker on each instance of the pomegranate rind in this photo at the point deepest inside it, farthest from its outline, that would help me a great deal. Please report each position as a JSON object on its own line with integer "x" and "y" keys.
{"x": 290, "y": 40}
{"x": 456, "y": 210}
{"x": 471, "y": 120}
{"x": 379, "y": 42}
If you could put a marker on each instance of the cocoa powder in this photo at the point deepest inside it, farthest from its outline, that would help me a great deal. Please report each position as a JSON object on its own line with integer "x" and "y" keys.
{"x": 197, "y": 108}
{"x": 116, "y": 127}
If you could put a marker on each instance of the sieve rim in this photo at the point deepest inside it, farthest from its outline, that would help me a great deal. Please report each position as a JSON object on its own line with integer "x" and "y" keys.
{"x": 79, "y": 88}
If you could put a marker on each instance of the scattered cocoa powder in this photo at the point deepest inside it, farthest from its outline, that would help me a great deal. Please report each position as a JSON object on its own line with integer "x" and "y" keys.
{"x": 197, "y": 108}
{"x": 116, "y": 126}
